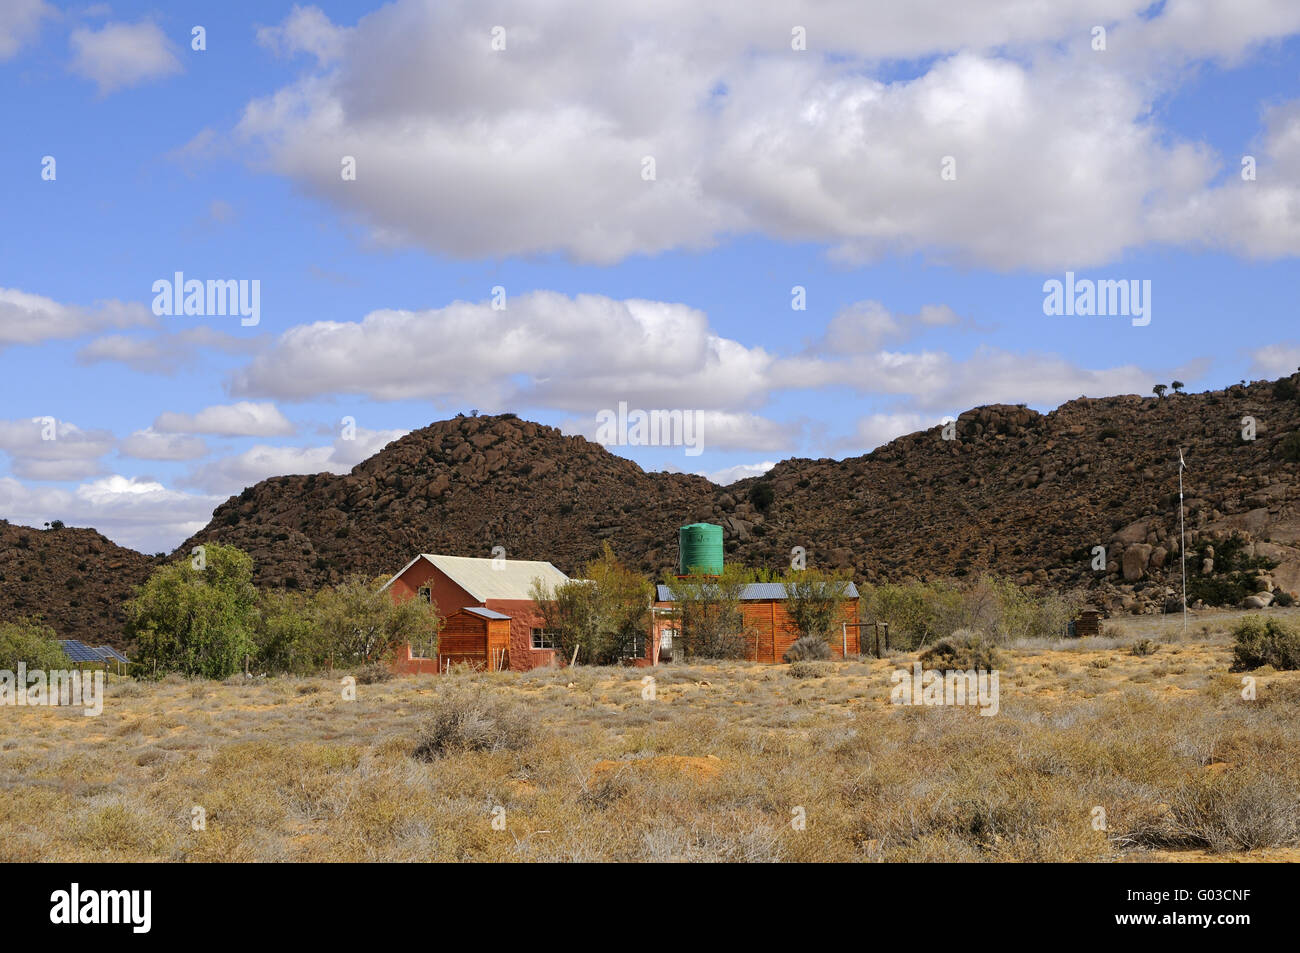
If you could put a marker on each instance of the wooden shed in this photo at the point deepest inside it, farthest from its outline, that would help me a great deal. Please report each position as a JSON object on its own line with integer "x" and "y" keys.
{"x": 1088, "y": 624}
{"x": 475, "y": 636}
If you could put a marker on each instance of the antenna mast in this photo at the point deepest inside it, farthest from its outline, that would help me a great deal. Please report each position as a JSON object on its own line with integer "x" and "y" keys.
{"x": 1182, "y": 535}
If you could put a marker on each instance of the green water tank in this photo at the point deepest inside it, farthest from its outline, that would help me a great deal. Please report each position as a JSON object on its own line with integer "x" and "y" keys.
{"x": 700, "y": 549}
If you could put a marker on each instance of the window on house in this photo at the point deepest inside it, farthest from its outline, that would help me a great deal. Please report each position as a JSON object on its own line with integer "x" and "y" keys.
{"x": 424, "y": 594}
{"x": 543, "y": 639}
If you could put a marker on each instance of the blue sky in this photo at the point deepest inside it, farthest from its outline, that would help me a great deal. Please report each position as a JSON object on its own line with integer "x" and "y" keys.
{"x": 523, "y": 168}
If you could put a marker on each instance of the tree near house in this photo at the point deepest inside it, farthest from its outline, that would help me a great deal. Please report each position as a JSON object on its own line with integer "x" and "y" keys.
{"x": 287, "y": 637}
{"x": 196, "y": 621}
{"x": 356, "y": 623}
{"x": 605, "y": 615}
{"x": 31, "y": 644}
{"x": 814, "y": 599}
{"x": 710, "y": 623}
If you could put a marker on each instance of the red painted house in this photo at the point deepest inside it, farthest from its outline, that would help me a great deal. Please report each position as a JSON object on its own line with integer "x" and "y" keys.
{"x": 490, "y": 618}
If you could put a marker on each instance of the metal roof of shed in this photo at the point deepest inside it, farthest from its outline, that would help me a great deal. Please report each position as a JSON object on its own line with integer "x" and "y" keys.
{"x": 486, "y": 613}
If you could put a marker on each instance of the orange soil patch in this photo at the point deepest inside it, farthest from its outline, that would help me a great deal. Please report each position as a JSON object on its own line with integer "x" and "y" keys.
{"x": 699, "y": 769}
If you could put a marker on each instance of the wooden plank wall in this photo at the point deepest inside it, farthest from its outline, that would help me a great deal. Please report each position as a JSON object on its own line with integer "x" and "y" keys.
{"x": 771, "y": 632}
{"x": 464, "y": 638}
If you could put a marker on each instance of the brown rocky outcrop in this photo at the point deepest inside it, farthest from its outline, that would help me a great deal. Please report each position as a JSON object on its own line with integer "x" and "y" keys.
{"x": 1015, "y": 492}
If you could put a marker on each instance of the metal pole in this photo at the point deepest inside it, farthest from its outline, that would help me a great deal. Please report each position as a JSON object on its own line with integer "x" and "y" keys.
{"x": 1182, "y": 536}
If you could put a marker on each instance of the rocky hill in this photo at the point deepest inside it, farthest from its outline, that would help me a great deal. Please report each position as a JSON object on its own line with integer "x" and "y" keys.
{"x": 74, "y": 580}
{"x": 1004, "y": 490}
{"x": 461, "y": 486}
{"x": 1030, "y": 496}
{"x": 1012, "y": 492}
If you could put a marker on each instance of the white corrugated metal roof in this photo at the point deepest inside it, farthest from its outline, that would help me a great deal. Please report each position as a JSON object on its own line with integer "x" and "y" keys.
{"x": 494, "y": 578}
{"x": 485, "y": 613}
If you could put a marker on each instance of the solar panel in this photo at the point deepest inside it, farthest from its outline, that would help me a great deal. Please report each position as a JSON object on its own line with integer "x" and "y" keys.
{"x": 80, "y": 652}
{"x": 112, "y": 654}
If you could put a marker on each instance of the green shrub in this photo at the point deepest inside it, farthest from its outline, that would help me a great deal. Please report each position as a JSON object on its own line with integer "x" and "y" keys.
{"x": 710, "y": 623}
{"x": 814, "y": 600}
{"x": 962, "y": 651}
{"x": 603, "y": 615}
{"x": 1217, "y": 592}
{"x": 357, "y": 623}
{"x": 761, "y": 495}
{"x": 1258, "y": 642}
{"x": 1289, "y": 448}
{"x": 196, "y": 621}
{"x": 34, "y": 645}
{"x": 919, "y": 613}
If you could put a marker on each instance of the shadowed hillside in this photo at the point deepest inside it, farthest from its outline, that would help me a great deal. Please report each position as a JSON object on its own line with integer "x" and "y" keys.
{"x": 1013, "y": 492}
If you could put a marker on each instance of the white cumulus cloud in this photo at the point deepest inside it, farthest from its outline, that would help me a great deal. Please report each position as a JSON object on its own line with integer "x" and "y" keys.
{"x": 243, "y": 419}
{"x": 121, "y": 55}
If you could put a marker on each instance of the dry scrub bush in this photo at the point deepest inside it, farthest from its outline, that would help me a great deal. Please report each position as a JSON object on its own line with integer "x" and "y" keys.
{"x": 1236, "y": 809}
{"x": 810, "y": 647}
{"x": 468, "y": 719}
{"x": 373, "y": 674}
{"x": 962, "y": 651}
{"x": 808, "y": 670}
{"x": 1259, "y": 642}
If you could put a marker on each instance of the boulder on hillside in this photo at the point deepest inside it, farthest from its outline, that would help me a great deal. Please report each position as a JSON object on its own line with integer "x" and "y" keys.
{"x": 1136, "y": 559}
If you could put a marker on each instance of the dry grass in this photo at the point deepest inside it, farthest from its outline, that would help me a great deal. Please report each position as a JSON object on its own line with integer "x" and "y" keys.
{"x": 713, "y": 769}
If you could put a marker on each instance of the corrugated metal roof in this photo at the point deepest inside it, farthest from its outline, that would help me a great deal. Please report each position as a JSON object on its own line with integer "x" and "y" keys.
{"x": 496, "y": 578}
{"x": 487, "y": 613}
{"x": 753, "y": 592}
